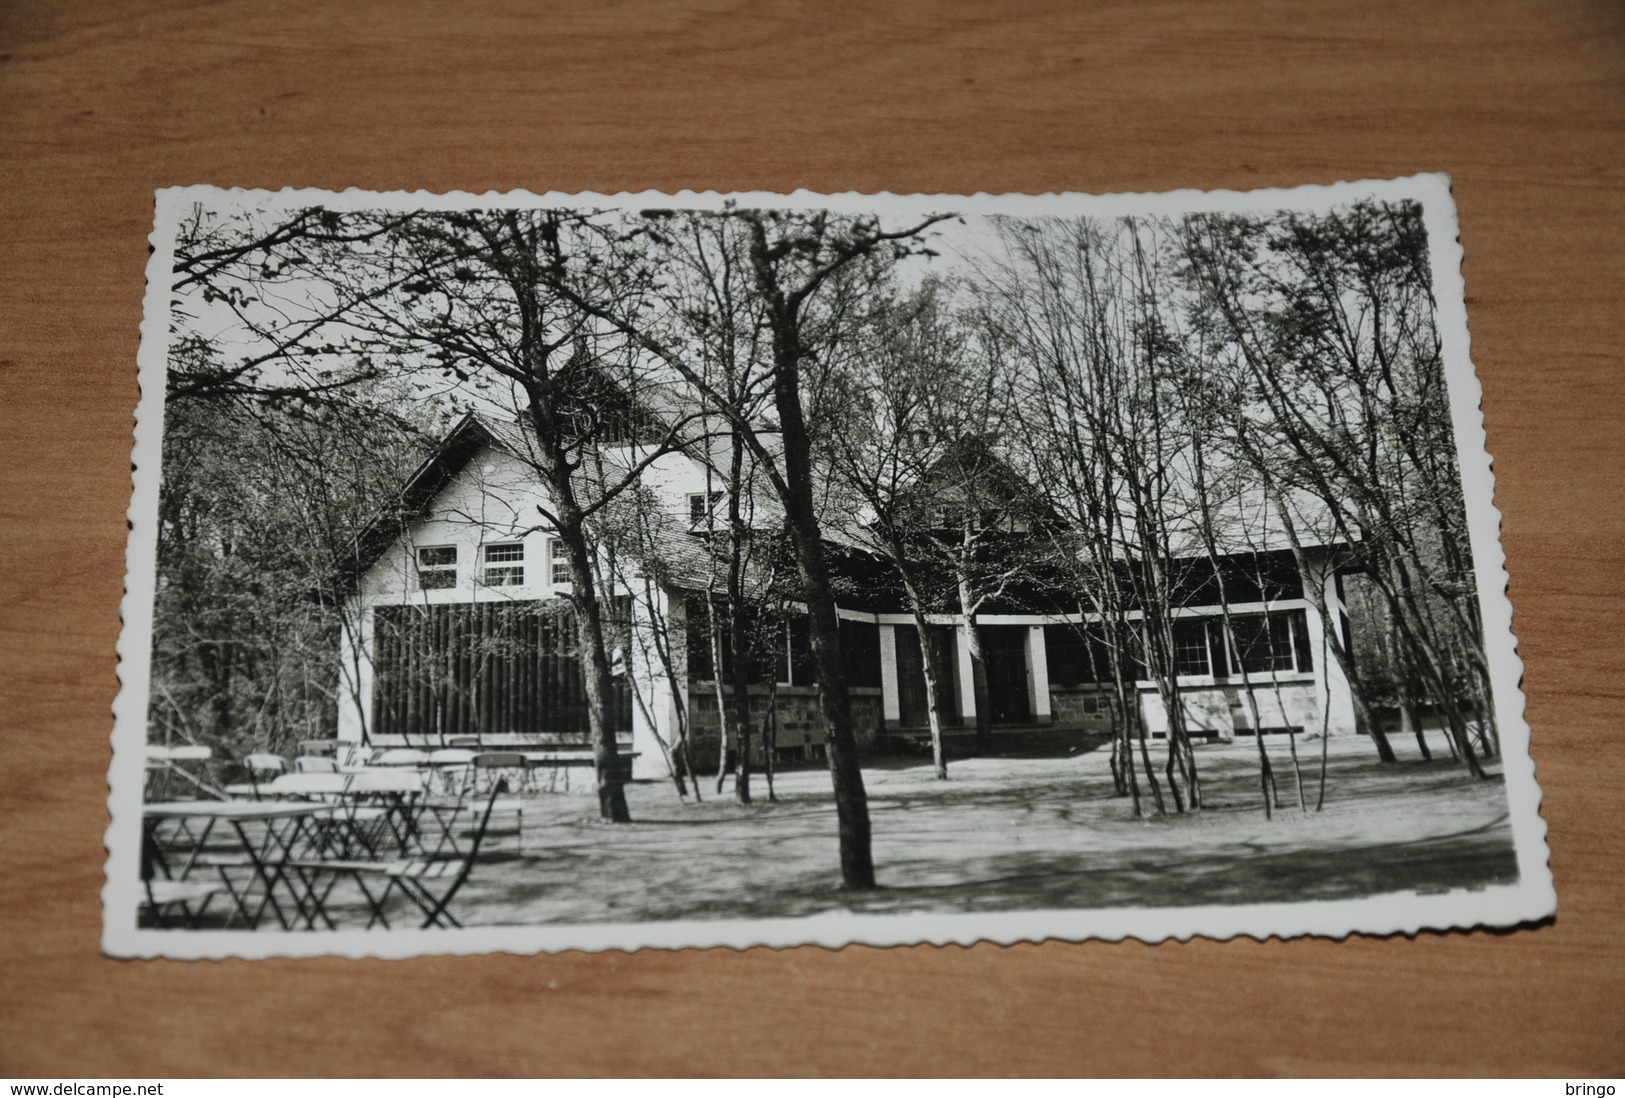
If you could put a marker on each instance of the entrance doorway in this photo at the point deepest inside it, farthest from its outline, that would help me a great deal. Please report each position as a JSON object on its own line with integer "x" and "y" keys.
{"x": 911, "y": 708}
{"x": 1004, "y": 649}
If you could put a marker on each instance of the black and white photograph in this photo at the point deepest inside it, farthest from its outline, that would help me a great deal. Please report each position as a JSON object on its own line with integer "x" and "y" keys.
{"x": 542, "y": 572}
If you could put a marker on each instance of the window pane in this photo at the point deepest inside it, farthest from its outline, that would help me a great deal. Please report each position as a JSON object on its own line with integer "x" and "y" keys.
{"x": 1264, "y": 642}
{"x": 1066, "y": 655}
{"x": 860, "y": 650}
{"x": 509, "y": 551}
{"x": 1190, "y": 648}
{"x": 1218, "y": 646}
{"x": 503, "y": 577}
{"x": 560, "y": 562}
{"x": 437, "y": 556}
{"x": 1301, "y": 642}
{"x": 437, "y": 580}
{"x": 803, "y": 672}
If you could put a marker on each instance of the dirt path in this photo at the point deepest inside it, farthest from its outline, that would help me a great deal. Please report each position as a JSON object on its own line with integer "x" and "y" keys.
{"x": 1003, "y": 834}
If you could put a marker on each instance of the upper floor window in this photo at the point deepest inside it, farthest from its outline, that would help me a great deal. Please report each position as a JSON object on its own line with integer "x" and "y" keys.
{"x": 702, "y": 506}
{"x": 504, "y": 564}
{"x": 558, "y": 562}
{"x": 437, "y": 567}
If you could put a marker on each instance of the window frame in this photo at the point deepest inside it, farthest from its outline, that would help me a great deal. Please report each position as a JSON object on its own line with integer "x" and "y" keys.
{"x": 439, "y": 570}
{"x": 557, "y": 559}
{"x": 502, "y": 571}
{"x": 702, "y": 507}
{"x": 1184, "y": 647}
{"x": 1276, "y": 634}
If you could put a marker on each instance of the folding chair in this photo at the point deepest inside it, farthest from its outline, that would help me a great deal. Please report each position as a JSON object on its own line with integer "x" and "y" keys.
{"x": 166, "y": 763}
{"x": 161, "y": 896}
{"x": 398, "y": 796}
{"x": 262, "y": 769}
{"x": 315, "y": 764}
{"x": 352, "y": 827}
{"x": 452, "y": 766}
{"x": 429, "y": 883}
{"x": 503, "y": 772}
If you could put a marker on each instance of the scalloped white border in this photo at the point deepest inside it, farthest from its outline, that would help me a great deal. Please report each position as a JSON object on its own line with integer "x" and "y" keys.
{"x": 1531, "y": 899}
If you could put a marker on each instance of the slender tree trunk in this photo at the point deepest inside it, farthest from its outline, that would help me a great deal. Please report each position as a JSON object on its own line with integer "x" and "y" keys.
{"x": 1151, "y": 770}
{"x": 1128, "y": 707}
{"x": 1428, "y": 658}
{"x": 1119, "y": 778}
{"x": 770, "y": 736}
{"x": 725, "y": 720}
{"x": 1331, "y": 639}
{"x": 1408, "y": 721}
{"x": 978, "y": 670}
{"x": 741, "y": 690}
{"x": 738, "y": 626}
{"x": 590, "y": 627}
{"x": 682, "y": 762}
{"x": 1266, "y": 771}
{"x": 1174, "y": 768}
{"x": 932, "y": 714}
{"x": 834, "y": 699}
{"x": 666, "y": 753}
{"x": 555, "y": 468}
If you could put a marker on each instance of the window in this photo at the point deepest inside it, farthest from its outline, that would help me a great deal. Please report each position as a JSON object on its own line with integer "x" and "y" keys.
{"x": 701, "y": 506}
{"x": 860, "y": 649}
{"x": 1264, "y": 642}
{"x": 1078, "y": 660}
{"x": 1191, "y": 655}
{"x": 558, "y": 561}
{"x": 437, "y": 567}
{"x": 504, "y": 565}
{"x": 803, "y": 671}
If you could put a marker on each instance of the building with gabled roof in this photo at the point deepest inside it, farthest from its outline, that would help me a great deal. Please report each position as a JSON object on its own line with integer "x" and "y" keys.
{"x": 459, "y": 626}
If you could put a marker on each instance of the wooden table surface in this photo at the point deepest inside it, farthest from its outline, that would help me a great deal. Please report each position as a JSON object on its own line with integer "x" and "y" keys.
{"x": 1524, "y": 103}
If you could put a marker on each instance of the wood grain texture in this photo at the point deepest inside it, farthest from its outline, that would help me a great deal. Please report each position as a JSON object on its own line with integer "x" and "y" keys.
{"x": 1524, "y": 103}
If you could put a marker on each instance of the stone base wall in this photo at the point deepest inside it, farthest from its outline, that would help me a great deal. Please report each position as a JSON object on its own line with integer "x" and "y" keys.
{"x": 801, "y": 732}
{"x": 1081, "y": 706}
{"x": 1219, "y": 710}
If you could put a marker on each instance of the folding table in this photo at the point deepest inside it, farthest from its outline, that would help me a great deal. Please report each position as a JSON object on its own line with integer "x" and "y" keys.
{"x": 287, "y": 830}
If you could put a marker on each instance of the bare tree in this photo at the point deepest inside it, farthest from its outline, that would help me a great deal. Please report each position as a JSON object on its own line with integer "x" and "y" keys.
{"x": 470, "y": 296}
{"x": 1332, "y": 316}
{"x": 1081, "y": 304}
{"x": 892, "y": 440}
{"x": 797, "y": 260}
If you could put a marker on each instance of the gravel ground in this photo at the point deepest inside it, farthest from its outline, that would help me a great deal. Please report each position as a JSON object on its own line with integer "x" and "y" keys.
{"x": 1003, "y": 834}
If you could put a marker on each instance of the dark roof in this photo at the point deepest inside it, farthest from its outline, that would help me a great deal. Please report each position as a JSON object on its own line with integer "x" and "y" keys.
{"x": 471, "y": 434}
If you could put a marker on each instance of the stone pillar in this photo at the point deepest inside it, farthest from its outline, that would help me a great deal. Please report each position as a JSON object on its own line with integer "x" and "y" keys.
{"x": 1038, "y": 703}
{"x": 891, "y": 708}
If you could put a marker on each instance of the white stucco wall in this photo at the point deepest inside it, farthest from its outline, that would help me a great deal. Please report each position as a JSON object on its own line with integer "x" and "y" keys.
{"x": 497, "y": 498}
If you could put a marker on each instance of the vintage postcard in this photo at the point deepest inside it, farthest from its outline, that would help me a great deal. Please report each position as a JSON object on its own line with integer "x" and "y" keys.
{"x": 542, "y": 572}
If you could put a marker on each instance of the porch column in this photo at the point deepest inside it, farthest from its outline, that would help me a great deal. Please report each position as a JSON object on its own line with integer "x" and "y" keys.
{"x": 891, "y": 709}
{"x": 355, "y": 670}
{"x": 1335, "y": 697}
{"x": 652, "y": 708}
{"x": 967, "y": 675}
{"x": 1038, "y": 676}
